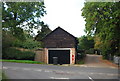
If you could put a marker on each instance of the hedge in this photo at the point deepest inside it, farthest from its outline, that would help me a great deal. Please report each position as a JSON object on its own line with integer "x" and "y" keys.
{"x": 12, "y": 53}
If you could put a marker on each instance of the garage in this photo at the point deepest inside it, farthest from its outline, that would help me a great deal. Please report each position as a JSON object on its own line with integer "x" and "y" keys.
{"x": 61, "y": 44}
{"x": 62, "y": 55}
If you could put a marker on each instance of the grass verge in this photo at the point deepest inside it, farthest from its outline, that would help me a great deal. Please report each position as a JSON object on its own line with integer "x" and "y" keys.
{"x": 4, "y": 76}
{"x": 22, "y": 61}
{"x": 80, "y": 62}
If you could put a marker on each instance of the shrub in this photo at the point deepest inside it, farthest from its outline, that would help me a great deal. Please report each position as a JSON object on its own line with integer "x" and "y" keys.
{"x": 90, "y": 51}
{"x": 80, "y": 61}
{"x": 27, "y": 44}
{"x": 17, "y": 43}
{"x": 12, "y": 53}
{"x": 80, "y": 54}
{"x": 31, "y": 44}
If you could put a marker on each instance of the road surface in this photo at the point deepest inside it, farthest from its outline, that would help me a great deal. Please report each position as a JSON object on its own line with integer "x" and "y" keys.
{"x": 95, "y": 61}
{"x": 38, "y": 71}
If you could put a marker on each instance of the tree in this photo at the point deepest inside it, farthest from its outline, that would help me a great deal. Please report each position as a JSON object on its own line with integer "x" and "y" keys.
{"x": 7, "y": 39}
{"x": 102, "y": 19}
{"x": 42, "y": 32}
{"x": 98, "y": 43}
{"x": 85, "y": 43}
{"x": 18, "y": 16}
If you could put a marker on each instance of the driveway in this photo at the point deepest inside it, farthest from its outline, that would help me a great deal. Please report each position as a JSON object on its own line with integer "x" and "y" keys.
{"x": 38, "y": 71}
{"x": 97, "y": 61}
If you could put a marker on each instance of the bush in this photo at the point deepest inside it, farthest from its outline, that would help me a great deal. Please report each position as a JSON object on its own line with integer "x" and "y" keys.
{"x": 17, "y": 43}
{"x": 31, "y": 44}
{"x": 90, "y": 51}
{"x": 80, "y": 54}
{"x": 80, "y": 61}
{"x": 12, "y": 53}
{"x": 27, "y": 44}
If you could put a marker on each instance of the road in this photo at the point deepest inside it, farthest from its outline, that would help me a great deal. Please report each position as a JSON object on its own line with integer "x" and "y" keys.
{"x": 38, "y": 71}
{"x": 95, "y": 61}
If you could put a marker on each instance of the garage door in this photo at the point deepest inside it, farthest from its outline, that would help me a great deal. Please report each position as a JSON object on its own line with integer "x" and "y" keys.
{"x": 63, "y": 56}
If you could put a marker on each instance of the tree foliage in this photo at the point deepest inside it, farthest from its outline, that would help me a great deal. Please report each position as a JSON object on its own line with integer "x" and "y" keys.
{"x": 98, "y": 43}
{"x": 103, "y": 20}
{"x": 85, "y": 43}
{"x": 7, "y": 39}
{"x": 17, "y": 16}
{"x": 42, "y": 32}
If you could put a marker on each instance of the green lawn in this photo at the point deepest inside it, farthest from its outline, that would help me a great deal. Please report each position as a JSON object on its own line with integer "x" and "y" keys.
{"x": 22, "y": 61}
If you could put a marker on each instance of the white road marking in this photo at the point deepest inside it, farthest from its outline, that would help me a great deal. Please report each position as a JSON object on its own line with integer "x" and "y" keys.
{"x": 33, "y": 69}
{"x": 5, "y": 68}
{"x": 90, "y": 78}
{"x": 47, "y": 71}
{"x": 91, "y": 73}
{"x": 38, "y": 70}
{"x": 58, "y": 78}
{"x": 101, "y": 73}
{"x": 26, "y": 69}
{"x": 113, "y": 74}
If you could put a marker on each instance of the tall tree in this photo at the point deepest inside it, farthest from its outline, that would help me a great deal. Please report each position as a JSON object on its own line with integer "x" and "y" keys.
{"x": 17, "y": 16}
{"x": 98, "y": 42}
{"x": 42, "y": 32}
{"x": 103, "y": 19}
{"x": 7, "y": 39}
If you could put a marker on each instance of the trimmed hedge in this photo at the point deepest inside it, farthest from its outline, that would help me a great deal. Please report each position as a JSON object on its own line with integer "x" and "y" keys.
{"x": 12, "y": 53}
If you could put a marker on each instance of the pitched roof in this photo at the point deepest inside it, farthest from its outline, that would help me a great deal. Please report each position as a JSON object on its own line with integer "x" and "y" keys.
{"x": 57, "y": 29}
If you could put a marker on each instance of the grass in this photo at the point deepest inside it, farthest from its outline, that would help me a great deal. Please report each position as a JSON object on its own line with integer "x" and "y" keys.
{"x": 4, "y": 76}
{"x": 0, "y": 74}
{"x": 81, "y": 61}
{"x": 22, "y": 61}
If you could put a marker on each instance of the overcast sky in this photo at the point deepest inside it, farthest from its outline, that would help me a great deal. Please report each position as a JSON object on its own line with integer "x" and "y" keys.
{"x": 66, "y": 14}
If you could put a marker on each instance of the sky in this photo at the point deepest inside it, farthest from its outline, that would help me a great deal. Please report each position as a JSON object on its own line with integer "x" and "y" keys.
{"x": 66, "y": 14}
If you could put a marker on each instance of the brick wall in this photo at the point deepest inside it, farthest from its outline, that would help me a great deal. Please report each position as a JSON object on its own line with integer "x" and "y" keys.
{"x": 46, "y": 55}
{"x": 73, "y": 53}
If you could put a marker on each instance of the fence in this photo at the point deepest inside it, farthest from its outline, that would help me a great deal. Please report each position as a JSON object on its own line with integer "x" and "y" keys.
{"x": 40, "y": 57}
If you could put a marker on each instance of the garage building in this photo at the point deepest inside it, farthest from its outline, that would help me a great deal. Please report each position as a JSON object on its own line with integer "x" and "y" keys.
{"x": 61, "y": 44}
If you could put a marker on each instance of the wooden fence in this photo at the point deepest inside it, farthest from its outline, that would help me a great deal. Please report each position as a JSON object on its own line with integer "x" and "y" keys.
{"x": 40, "y": 57}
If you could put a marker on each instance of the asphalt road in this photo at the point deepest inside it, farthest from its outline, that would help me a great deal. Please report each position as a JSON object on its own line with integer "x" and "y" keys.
{"x": 38, "y": 71}
{"x": 94, "y": 61}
